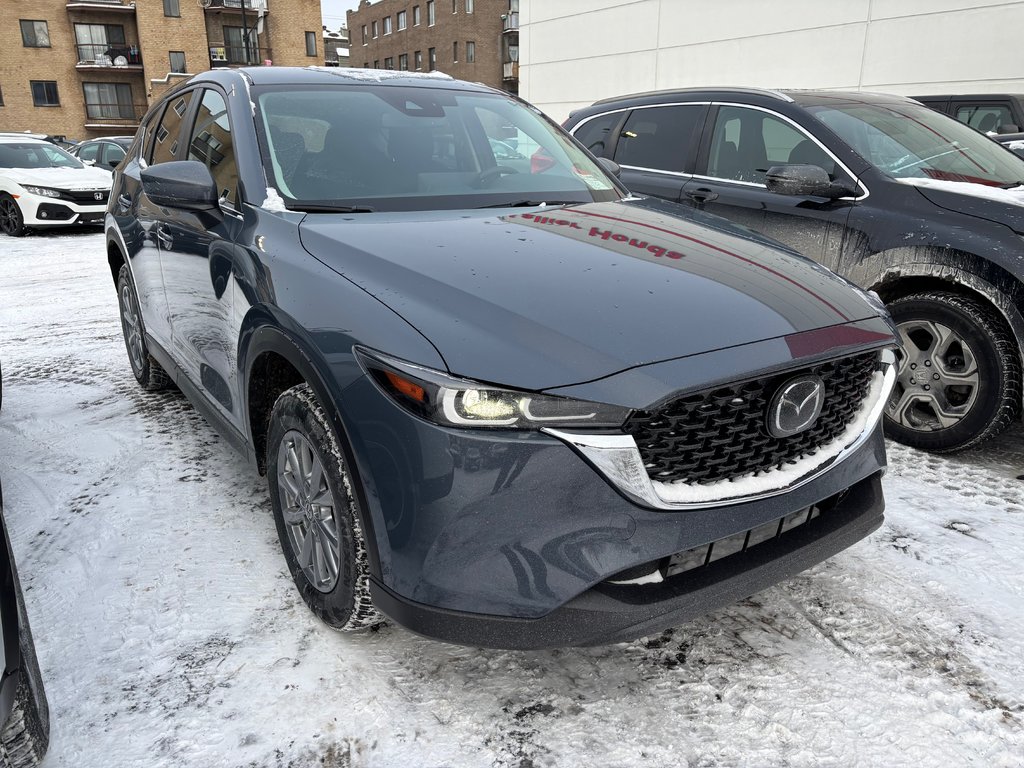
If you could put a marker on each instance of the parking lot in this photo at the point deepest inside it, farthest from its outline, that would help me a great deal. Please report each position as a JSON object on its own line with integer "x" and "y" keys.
{"x": 169, "y": 631}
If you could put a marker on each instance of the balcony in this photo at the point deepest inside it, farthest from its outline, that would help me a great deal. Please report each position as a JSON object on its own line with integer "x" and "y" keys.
{"x": 234, "y": 5}
{"x": 510, "y": 21}
{"x": 118, "y": 56}
{"x": 510, "y": 70}
{"x": 116, "y": 6}
{"x": 102, "y": 115}
{"x": 222, "y": 55}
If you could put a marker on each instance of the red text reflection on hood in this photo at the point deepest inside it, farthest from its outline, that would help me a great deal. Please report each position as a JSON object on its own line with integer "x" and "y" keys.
{"x": 606, "y": 235}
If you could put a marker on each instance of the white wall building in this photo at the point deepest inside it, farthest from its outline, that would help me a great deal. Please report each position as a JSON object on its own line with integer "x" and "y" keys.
{"x": 573, "y": 52}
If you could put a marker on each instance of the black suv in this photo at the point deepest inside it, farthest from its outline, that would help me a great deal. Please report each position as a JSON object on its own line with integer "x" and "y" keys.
{"x": 910, "y": 203}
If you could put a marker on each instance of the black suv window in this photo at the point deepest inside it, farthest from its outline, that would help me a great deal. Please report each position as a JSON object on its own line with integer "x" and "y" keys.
{"x": 165, "y": 138}
{"x": 986, "y": 118}
{"x": 658, "y": 137}
{"x": 746, "y": 142}
{"x": 596, "y": 134}
{"x": 210, "y": 143}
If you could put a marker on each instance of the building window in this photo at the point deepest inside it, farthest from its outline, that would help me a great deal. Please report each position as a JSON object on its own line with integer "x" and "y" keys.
{"x": 469, "y": 6}
{"x": 470, "y": 51}
{"x": 364, "y": 34}
{"x": 430, "y": 13}
{"x": 172, "y": 8}
{"x": 35, "y": 34}
{"x": 455, "y": 6}
{"x": 178, "y": 62}
{"x": 238, "y": 52}
{"x": 455, "y": 51}
{"x": 44, "y": 93}
{"x": 403, "y": 20}
{"x": 415, "y": 15}
{"x": 1, "y": 97}
{"x": 403, "y": 61}
{"x": 376, "y": 63}
{"x": 389, "y": 62}
{"x": 373, "y": 28}
{"x": 366, "y": 65}
{"x": 108, "y": 101}
{"x": 104, "y": 43}
{"x": 431, "y": 59}
{"x": 387, "y": 25}
{"x": 311, "y": 43}
{"x": 417, "y": 60}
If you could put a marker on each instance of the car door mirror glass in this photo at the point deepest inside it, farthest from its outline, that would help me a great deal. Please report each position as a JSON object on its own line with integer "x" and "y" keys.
{"x": 1008, "y": 128}
{"x": 803, "y": 181}
{"x": 180, "y": 184}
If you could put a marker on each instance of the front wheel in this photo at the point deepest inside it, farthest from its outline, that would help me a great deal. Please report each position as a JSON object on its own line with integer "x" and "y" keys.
{"x": 317, "y": 513}
{"x": 959, "y": 379}
{"x": 11, "y": 221}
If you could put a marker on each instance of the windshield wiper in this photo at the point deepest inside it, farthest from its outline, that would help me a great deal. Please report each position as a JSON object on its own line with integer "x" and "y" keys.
{"x": 1012, "y": 185}
{"x": 530, "y": 203}
{"x": 331, "y": 208}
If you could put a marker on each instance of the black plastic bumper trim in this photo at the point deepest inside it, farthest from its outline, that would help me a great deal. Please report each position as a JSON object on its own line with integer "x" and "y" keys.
{"x": 610, "y": 614}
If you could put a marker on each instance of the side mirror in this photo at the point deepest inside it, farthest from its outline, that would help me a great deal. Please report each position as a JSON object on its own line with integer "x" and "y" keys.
{"x": 610, "y": 165}
{"x": 804, "y": 181}
{"x": 1008, "y": 128}
{"x": 180, "y": 184}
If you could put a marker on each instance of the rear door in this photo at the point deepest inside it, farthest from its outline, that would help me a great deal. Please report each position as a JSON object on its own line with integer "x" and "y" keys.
{"x": 655, "y": 146}
{"x": 739, "y": 147}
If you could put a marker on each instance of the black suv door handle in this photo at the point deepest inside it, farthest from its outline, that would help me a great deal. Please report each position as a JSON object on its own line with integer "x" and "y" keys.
{"x": 124, "y": 201}
{"x": 702, "y": 195}
{"x": 165, "y": 239}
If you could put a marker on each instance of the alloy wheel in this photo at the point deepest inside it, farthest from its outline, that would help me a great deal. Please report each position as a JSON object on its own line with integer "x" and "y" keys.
{"x": 10, "y": 217}
{"x": 130, "y": 324}
{"x": 309, "y": 511}
{"x": 938, "y": 379}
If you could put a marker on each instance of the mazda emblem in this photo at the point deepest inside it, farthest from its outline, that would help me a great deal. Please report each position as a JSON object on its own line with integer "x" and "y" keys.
{"x": 795, "y": 406}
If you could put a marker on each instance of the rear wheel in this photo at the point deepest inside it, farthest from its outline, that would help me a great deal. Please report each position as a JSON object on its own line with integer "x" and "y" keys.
{"x": 959, "y": 380}
{"x": 148, "y": 372}
{"x": 11, "y": 221}
{"x": 317, "y": 513}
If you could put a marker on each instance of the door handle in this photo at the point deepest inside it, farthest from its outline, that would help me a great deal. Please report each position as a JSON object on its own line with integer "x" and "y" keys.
{"x": 165, "y": 239}
{"x": 124, "y": 201}
{"x": 702, "y": 195}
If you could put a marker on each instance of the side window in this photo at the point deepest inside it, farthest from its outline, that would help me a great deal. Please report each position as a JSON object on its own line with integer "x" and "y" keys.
{"x": 90, "y": 152}
{"x": 164, "y": 145}
{"x": 658, "y": 137}
{"x": 746, "y": 142}
{"x": 210, "y": 144}
{"x": 986, "y": 118}
{"x": 595, "y": 134}
{"x": 112, "y": 154}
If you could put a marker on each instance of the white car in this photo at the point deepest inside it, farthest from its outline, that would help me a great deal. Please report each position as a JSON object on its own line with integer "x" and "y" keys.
{"x": 41, "y": 185}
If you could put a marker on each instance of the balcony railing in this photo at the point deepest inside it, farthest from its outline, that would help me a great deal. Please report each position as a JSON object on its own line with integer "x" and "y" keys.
{"x": 125, "y": 6}
{"x": 234, "y": 5}
{"x": 234, "y": 55}
{"x": 103, "y": 114}
{"x": 510, "y": 21}
{"x": 116, "y": 55}
{"x": 511, "y": 70}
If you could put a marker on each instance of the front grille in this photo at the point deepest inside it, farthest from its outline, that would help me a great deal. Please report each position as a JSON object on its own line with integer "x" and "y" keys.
{"x": 720, "y": 434}
{"x": 86, "y": 197}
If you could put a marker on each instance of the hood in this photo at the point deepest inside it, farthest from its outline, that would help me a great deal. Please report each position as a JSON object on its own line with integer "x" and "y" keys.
{"x": 546, "y": 298}
{"x": 1002, "y": 206}
{"x": 61, "y": 178}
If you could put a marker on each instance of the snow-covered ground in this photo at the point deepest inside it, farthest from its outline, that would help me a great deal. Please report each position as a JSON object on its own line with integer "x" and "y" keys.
{"x": 170, "y": 634}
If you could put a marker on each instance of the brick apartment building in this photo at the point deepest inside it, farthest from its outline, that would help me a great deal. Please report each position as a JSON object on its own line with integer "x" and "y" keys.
{"x": 476, "y": 40}
{"x": 86, "y": 68}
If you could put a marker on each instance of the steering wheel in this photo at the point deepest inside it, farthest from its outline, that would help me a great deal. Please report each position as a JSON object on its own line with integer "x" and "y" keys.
{"x": 488, "y": 175}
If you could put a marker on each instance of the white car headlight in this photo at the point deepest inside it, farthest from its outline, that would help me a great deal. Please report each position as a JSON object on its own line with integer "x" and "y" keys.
{"x": 41, "y": 191}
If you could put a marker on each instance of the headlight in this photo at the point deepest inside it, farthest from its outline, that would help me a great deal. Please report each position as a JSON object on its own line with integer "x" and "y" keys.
{"x": 453, "y": 402}
{"x": 41, "y": 191}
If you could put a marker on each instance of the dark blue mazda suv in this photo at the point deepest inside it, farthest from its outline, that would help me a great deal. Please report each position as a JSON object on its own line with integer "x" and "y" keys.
{"x": 496, "y": 398}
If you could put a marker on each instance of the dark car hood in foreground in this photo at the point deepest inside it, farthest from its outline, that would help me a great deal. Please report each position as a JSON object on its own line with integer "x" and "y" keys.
{"x": 547, "y": 298}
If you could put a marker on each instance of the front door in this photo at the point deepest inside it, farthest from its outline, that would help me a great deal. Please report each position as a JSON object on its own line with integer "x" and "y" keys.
{"x": 743, "y": 143}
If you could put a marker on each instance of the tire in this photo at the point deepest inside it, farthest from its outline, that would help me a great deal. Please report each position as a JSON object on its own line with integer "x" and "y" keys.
{"x": 959, "y": 380}
{"x": 11, "y": 221}
{"x": 148, "y": 373}
{"x": 317, "y": 513}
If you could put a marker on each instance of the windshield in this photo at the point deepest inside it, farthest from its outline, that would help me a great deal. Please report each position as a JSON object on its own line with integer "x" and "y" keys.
{"x": 387, "y": 147}
{"x": 36, "y": 155}
{"x": 912, "y": 141}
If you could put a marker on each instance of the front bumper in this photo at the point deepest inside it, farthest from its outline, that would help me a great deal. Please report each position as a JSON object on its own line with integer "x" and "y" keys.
{"x": 40, "y": 211}
{"x": 610, "y": 613}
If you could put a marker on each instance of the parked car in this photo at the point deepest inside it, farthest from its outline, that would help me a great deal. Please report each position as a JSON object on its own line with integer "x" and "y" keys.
{"x": 902, "y": 200}
{"x": 41, "y": 185}
{"x": 991, "y": 113}
{"x": 24, "y": 713}
{"x": 104, "y": 153}
{"x": 507, "y": 409}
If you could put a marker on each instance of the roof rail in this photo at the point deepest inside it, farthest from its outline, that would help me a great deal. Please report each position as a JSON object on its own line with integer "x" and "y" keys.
{"x": 729, "y": 89}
